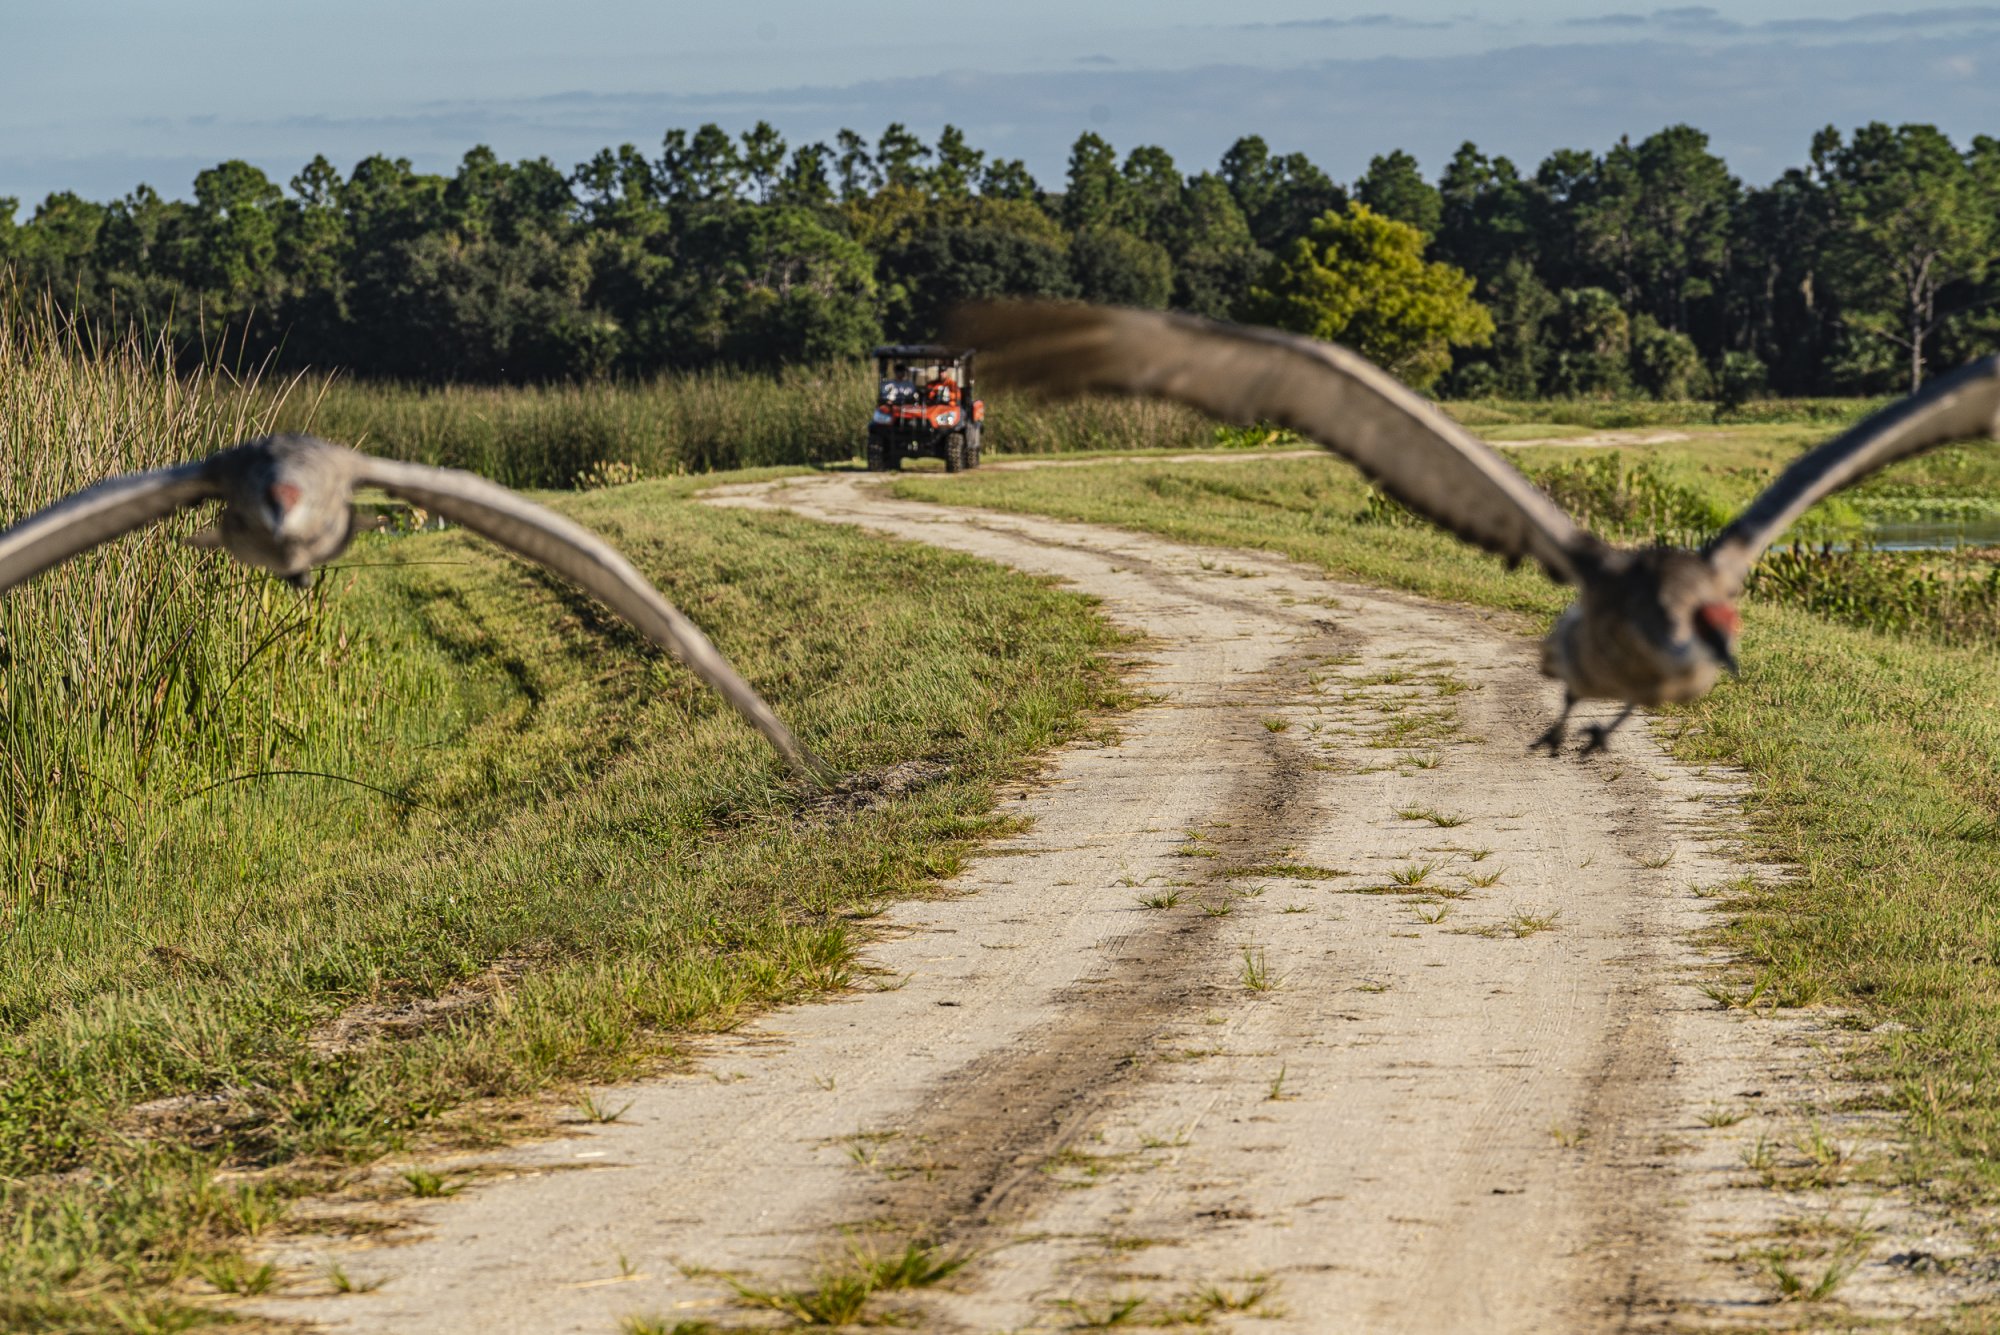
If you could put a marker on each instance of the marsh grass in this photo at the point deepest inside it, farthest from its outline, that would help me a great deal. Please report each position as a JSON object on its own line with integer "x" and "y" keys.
{"x": 696, "y": 422}
{"x": 146, "y": 678}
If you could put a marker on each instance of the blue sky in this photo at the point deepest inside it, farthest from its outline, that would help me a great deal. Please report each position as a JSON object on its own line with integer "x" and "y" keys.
{"x": 98, "y": 95}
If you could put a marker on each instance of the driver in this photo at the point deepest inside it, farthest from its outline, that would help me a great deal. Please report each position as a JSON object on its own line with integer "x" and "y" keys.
{"x": 901, "y": 389}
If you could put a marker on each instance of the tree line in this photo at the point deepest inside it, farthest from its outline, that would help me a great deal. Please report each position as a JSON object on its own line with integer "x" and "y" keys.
{"x": 1649, "y": 268}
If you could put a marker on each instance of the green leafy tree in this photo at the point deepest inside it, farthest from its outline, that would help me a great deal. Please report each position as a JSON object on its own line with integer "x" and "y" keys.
{"x": 1395, "y": 188}
{"x": 989, "y": 252}
{"x": 900, "y": 157}
{"x": 1112, "y": 265}
{"x": 1280, "y": 197}
{"x": 618, "y": 191}
{"x": 958, "y": 165}
{"x": 57, "y": 248}
{"x": 1562, "y": 187}
{"x": 1913, "y": 233}
{"x": 1657, "y": 219}
{"x": 705, "y": 169}
{"x": 763, "y": 156}
{"x": 1302, "y": 195}
{"x": 807, "y": 183}
{"x": 1150, "y": 192}
{"x": 1009, "y": 179}
{"x": 141, "y": 252}
{"x": 807, "y": 293}
{"x": 1485, "y": 220}
{"x": 855, "y": 166}
{"x": 1521, "y": 306}
{"x": 1590, "y": 341}
{"x": 1094, "y": 192}
{"x": 1665, "y": 363}
{"x": 1252, "y": 176}
{"x": 234, "y": 239}
{"x": 1778, "y": 283}
{"x": 1215, "y": 260}
{"x": 1361, "y": 279}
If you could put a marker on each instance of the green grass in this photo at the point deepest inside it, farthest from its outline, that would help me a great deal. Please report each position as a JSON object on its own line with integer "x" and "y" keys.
{"x": 1874, "y": 754}
{"x": 539, "y": 855}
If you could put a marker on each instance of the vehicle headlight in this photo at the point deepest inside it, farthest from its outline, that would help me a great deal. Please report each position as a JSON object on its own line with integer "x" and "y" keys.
{"x": 946, "y": 419}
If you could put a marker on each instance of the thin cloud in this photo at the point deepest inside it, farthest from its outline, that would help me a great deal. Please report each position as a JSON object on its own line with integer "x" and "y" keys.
{"x": 1707, "y": 19}
{"x": 1399, "y": 22}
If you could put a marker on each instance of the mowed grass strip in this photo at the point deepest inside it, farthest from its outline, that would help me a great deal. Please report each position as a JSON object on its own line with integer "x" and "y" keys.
{"x": 579, "y": 859}
{"x": 1875, "y": 761}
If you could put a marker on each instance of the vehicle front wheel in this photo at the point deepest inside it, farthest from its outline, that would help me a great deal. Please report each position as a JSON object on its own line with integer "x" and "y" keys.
{"x": 878, "y": 458}
{"x": 954, "y": 453}
{"x": 973, "y": 445}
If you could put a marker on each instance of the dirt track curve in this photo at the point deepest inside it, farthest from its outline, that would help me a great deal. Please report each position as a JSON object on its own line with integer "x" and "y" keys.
{"x": 1442, "y": 1070}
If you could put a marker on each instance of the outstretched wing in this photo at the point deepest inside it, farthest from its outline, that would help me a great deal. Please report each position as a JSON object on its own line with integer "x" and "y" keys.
{"x": 592, "y": 564}
{"x": 1338, "y": 398}
{"x": 98, "y": 514}
{"x": 1960, "y": 406}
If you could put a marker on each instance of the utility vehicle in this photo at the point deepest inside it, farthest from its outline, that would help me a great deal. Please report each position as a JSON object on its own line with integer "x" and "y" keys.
{"x": 924, "y": 407}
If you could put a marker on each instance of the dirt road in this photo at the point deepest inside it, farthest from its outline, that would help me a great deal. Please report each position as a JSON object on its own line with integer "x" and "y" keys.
{"x": 1314, "y": 1004}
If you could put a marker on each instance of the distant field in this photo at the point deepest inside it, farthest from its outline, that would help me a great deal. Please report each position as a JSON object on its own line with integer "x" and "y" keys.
{"x": 1868, "y": 717}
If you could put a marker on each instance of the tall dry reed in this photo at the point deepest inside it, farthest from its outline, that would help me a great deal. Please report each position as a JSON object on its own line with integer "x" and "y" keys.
{"x": 139, "y": 671}
{"x": 549, "y": 436}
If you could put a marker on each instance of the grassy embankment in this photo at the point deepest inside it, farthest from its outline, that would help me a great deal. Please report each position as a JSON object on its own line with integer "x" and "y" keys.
{"x": 1868, "y": 715}
{"x": 294, "y": 882}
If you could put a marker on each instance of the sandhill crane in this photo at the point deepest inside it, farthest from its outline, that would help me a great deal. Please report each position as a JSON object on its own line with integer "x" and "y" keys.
{"x": 287, "y": 506}
{"x": 1650, "y": 625}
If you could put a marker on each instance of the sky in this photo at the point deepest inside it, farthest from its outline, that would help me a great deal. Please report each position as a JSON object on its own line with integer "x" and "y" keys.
{"x": 97, "y": 96}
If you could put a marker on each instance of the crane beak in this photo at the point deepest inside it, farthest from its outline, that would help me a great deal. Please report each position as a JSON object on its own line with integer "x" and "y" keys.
{"x": 1718, "y": 624}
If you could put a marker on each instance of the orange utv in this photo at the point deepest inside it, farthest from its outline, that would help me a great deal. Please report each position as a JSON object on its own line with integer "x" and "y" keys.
{"x": 924, "y": 407}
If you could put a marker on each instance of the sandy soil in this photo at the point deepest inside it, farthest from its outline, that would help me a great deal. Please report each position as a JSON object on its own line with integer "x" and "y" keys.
{"x": 1297, "y": 1095}
{"x": 1601, "y": 438}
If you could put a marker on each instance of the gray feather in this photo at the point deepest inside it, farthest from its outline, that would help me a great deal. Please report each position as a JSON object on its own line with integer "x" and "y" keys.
{"x": 1360, "y": 412}
{"x": 98, "y": 514}
{"x": 593, "y": 565}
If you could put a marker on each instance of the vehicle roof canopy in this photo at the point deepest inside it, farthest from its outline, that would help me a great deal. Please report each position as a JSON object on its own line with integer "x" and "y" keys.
{"x": 923, "y": 352}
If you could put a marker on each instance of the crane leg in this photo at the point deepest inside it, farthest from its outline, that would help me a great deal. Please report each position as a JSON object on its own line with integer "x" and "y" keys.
{"x": 1601, "y": 732}
{"x": 1553, "y": 738}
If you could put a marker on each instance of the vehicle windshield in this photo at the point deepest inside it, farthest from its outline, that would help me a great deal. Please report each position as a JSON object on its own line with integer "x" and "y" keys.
{"x": 937, "y": 382}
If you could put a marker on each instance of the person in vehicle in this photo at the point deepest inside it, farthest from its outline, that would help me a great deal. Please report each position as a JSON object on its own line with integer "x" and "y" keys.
{"x": 900, "y": 389}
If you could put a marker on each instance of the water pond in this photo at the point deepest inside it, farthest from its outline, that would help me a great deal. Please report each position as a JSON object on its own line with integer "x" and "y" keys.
{"x": 1934, "y": 535}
